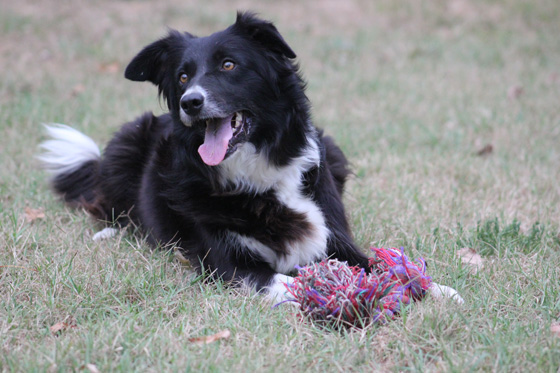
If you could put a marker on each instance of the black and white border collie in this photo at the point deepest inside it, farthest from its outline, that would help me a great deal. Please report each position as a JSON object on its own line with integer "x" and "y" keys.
{"x": 235, "y": 176}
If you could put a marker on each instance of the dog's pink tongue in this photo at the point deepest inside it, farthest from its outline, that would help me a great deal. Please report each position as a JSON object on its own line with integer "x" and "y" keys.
{"x": 216, "y": 139}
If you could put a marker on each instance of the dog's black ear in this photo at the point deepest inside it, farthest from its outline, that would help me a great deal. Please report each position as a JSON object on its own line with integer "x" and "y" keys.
{"x": 152, "y": 61}
{"x": 263, "y": 32}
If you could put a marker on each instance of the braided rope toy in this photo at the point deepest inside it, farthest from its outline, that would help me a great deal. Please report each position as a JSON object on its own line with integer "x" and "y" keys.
{"x": 333, "y": 293}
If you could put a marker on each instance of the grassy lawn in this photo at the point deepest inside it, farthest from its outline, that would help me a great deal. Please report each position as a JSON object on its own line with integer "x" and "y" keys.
{"x": 449, "y": 112}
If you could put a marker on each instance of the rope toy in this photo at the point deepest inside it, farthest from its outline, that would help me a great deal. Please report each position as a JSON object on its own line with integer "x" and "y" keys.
{"x": 336, "y": 294}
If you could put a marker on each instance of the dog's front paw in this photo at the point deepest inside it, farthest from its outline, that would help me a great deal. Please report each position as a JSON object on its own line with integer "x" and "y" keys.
{"x": 277, "y": 291}
{"x": 442, "y": 291}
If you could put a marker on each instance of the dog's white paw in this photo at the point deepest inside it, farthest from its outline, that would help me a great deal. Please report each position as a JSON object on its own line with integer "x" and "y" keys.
{"x": 105, "y": 233}
{"x": 442, "y": 291}
{"x": 277, "y": 291}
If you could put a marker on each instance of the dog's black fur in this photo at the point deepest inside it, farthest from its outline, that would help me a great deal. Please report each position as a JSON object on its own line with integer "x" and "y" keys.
{"x": 237, "y": 224}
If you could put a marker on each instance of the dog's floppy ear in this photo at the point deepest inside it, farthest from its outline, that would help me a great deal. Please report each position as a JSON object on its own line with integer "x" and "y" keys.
{"x": 152, "y": 61}
{"x": 263, "y": 32}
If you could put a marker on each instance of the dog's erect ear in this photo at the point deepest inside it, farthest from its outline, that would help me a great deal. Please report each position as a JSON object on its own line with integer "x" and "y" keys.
{"x": 152, "y": 61}
{"x": 263, "y": 32}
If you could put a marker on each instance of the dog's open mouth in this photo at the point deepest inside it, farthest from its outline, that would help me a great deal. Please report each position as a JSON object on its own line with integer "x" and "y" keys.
{"x": 222, "y": 136}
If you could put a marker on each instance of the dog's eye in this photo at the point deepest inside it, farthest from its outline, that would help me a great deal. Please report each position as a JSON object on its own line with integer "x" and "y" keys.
{"x": 183, "y": 78}
{"x": 228, "y": 65}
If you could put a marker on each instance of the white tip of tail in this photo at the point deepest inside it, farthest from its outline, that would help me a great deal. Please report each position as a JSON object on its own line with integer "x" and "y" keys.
{"x": 67, "y": 149}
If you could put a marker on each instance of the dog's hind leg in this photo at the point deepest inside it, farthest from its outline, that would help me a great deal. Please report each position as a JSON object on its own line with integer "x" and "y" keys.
{"x": 105, "y": 233}
{"x": 337, "y": 163}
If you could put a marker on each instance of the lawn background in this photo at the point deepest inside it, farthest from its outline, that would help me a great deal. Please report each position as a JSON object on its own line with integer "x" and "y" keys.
{"x": 449, "y": 112}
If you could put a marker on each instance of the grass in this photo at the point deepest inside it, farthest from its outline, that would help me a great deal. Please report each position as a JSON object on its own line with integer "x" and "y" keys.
{"x": 412, "y": 91}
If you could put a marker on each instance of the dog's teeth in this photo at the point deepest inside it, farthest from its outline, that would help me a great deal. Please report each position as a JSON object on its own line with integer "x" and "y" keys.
{"x": 237, "y": 120}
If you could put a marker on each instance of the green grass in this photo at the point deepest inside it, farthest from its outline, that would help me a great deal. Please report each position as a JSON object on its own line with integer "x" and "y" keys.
{"x": 410, "y": 90}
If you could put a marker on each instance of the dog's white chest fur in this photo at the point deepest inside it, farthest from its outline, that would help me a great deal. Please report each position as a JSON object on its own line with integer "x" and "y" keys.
{"x": 251, "y": 172}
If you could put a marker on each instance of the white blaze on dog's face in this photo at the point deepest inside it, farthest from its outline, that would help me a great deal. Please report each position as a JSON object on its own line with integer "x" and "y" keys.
{"x": 210, "y": 83}
{"x": 189, "y": 94}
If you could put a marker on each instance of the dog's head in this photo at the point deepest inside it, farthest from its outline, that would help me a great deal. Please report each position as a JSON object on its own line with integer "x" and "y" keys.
{"x": 228, "y": 86}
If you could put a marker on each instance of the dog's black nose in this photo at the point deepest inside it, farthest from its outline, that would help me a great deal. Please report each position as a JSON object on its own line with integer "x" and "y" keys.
{"x": 192, "y": 103}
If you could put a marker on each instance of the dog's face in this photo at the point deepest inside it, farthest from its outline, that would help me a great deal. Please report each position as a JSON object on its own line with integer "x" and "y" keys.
{"x": 222, "y": 85}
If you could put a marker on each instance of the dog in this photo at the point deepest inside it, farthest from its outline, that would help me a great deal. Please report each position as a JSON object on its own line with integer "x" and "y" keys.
{"x": 235, "y": 176}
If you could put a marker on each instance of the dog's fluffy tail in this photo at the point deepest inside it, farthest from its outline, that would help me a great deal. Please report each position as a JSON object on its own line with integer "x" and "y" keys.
{"x": 74, "y": 161}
